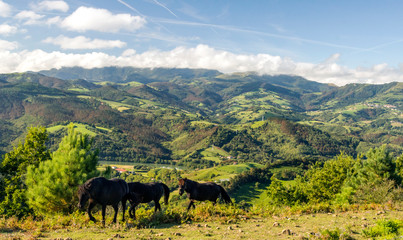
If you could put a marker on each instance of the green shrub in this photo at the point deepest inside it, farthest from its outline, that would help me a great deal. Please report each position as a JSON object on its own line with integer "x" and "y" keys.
{"x": 384, "y": 228}
{"x": 336, "y": 234}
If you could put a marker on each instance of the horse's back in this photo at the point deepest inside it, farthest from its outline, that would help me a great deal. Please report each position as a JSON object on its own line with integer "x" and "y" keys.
{"x": 108, "y": 192}
{"x": 206, "y": 191}
{"x": 146, "y": 191}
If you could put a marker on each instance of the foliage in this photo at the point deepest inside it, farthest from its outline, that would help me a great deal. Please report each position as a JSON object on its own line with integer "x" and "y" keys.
{"x": 278, "y": 194}
{"x": 384, "y": 228}
{"x": 52, "y": 185}
{"x": 13, "y": 170}
{"x": 343, "y": 180}
{"x": 335, "y": 234}
{"x": 260, "y": 175}
{"x": 324, "y": 182}
{"x": 399, "y": 168}
{"x": 374, "y": 178}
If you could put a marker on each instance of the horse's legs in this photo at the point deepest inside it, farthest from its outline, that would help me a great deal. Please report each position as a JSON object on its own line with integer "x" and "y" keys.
{"x": 124, "y": 208}
{"x": 103, "y": 213}
{"x": 157, "y": 205}
{"x": 191, "y": 204}
{"x": 132, "y": 211}
{"x": 116, "y": 208}
{"x": 90, "y": 206}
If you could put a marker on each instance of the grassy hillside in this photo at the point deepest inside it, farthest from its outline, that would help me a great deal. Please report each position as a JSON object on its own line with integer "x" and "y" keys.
{"x": 160, "y": 115}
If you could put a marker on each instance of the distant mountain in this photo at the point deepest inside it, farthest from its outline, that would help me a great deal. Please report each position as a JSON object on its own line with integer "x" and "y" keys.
{"x": 43, "y": 80}
{"x": 390, "y": 93}
{"x": 81, "y": 83}
{"x": 293, "y": 83}
{"x": 159, "y": 96}
{"x": 46, "y": 81}
{"x": 190, "y": 93}
{"x": 128, "y": 74}
{"x": 156, "y": 115}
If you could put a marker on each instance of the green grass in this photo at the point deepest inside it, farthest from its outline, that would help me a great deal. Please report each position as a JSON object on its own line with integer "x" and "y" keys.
{"x": 205, "y": 222}
{"x": 104, "y": 129}
{"x": 79, "y": 89}
{"x": 214, "y": 154}
{"x": 249, "y": 192}
{"x": 387, "y": 229}
{"x": 202, "y": 124}
{"x": 82, "y": 128}
{"x": 116, "y": 105}
{"x": 221, "y": 173}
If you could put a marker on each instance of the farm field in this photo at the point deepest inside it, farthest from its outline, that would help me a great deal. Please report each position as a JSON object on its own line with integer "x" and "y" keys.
{"x": 343, "y": 225}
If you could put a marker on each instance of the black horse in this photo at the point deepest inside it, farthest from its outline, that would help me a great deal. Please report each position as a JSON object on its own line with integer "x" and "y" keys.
{"x": 202, "y": 191}
{"x": 99, "y": 190}
{"x": 147, "y": 192}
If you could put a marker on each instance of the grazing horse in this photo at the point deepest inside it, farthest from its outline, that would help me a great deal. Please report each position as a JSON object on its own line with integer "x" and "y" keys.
{"x": 99, "y": 190}
{"x": 202, "y": 191}
{"x": 147, "y": 192}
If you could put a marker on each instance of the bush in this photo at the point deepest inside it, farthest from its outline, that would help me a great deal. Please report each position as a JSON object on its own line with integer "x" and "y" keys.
{"x": 375, "y": 193}
{"x": 335, "y": 235}
{"x": 384, "y": 228}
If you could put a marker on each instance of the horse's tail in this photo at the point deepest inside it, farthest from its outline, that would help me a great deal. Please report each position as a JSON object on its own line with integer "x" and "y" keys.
{"x": 225, "y": 195}
{"x": 166, "y": 193}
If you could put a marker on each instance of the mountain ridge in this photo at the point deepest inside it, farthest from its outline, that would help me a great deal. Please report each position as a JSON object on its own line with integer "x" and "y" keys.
{"x": 161, "y": 115}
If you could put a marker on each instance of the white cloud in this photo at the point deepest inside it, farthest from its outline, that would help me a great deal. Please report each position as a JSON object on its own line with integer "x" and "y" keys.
{"x": 29, "y": 17}
{"x": 61, "y": 6}
{"x": 201, "y": 56}
{"x": 7, "y": 30}
{"x": 129, "y": 52}
{"x": 53, "y": 20}
{"x": 85, "y": 19}
{"x": 5, "y": 9}
{"x": 6, "y": 46}
{"x": 82, "y": 42}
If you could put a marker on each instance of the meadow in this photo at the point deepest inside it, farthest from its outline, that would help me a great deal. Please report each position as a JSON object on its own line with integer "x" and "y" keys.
{"x": 219, "y": 222}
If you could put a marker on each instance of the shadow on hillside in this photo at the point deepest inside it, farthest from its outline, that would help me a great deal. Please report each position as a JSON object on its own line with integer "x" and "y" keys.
{"x": 248, "y": 192}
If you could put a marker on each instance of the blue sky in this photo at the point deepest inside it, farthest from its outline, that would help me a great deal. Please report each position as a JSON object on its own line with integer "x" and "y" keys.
{"x": 335, "y": 42}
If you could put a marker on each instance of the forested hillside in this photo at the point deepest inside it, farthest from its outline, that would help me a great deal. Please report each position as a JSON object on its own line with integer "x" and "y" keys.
{"x": 180, "y": 115}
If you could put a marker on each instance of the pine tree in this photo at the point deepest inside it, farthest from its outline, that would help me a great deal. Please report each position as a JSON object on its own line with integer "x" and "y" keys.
{"x": 13, "y": 169}
{"x": 53, "y": 184}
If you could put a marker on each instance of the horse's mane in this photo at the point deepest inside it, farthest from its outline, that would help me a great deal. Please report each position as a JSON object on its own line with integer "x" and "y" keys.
{"x": 188, "y": 181}
{"x": 84, "y": 188}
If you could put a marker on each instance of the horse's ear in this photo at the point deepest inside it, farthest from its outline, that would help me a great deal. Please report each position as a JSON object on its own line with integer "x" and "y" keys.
{"x": 181, "y": 181}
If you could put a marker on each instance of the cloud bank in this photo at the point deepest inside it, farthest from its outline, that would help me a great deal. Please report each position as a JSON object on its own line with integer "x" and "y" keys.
{"x": 201, "y": 56}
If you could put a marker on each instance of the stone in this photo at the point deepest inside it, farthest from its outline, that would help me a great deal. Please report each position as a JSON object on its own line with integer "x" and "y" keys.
{"x": 286, "y": 232}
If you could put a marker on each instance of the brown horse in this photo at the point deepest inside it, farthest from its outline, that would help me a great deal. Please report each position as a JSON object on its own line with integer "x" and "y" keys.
{"x": 202, "y": 191}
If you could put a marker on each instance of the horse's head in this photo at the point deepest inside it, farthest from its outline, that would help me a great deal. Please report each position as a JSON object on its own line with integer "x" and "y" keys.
{"x": 83, "y": 196}
{"x": 182, "y": 186}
